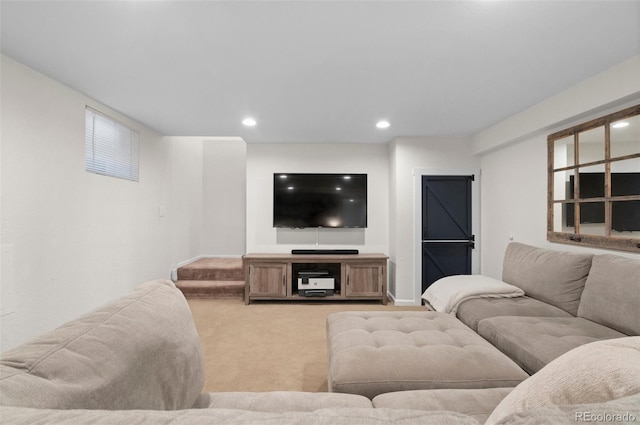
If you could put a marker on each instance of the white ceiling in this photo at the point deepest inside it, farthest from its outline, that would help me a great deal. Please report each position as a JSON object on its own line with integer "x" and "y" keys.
{"x": 320, "y": 71}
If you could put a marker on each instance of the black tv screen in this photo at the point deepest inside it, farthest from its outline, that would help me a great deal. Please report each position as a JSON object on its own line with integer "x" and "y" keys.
{"x": 319, "y": 200}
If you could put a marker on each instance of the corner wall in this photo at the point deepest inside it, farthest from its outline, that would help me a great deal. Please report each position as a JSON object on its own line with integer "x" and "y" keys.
{"x": 514, "y": 162}
{"x": 224, "y": 196}
{"x": 71, "y": 240}
{"x": 208, "y": 185}
{"x": 186, "y": 207}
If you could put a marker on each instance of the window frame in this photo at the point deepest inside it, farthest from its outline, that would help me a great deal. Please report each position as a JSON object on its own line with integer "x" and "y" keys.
{"x": 113, "y": 155}
{"x": 577, "y": 237}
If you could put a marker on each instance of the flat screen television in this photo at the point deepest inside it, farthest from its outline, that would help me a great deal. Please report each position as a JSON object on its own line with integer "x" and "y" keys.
{"x": 625, "y": 216}
{"x": 319, "y": 200}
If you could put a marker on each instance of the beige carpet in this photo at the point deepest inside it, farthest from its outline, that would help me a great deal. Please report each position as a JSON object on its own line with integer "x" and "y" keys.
{"x": 267, "y": 346}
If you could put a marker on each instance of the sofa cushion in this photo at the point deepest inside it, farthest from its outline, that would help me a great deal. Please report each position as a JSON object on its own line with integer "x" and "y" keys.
{"x": 553, "y": 277}
{"x": 473, "y": 311}
{"x": 280, "y": 401}
{"x": 375, "y": 352}
{"x": 477, "y": 403}
{"x": 334, "y": 416}
{"x": 592, "y": 373}
{"x": 532, "y": 342}
{"x": 612, "y": 293}
{"x": 140, "y": 351}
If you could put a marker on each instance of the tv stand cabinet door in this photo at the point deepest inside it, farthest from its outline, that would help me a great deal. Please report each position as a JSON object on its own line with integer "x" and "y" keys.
{"x": 365, "y": 280}
{"x": 268, "y": 280}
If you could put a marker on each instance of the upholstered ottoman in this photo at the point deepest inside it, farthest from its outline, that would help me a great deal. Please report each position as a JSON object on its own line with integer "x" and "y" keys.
{"x": 371, "y": 353}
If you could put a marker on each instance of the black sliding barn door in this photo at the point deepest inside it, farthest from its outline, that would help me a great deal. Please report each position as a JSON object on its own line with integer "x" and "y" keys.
{"x": 447, "y": 240}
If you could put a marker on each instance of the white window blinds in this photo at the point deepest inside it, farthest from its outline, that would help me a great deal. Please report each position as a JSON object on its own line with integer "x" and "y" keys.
{"x": 111, "y": 148}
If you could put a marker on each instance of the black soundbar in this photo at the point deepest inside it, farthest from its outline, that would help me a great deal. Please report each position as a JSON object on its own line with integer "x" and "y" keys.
{"x": 325, "y": 251}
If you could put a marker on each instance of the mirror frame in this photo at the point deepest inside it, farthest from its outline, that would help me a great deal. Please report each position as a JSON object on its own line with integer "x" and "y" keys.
{"x": 576, "y": 237}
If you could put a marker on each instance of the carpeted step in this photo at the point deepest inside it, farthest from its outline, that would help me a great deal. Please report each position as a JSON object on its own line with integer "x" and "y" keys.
{"x": 213, "y": 269}
{"x": 211, "y": 288}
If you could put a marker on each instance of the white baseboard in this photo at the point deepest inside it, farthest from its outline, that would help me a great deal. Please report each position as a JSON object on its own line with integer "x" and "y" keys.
{"x": 402, "y": 303}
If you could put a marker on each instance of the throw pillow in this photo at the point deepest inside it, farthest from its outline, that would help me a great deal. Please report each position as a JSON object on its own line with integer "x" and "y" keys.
{"x": 592, "y": 373}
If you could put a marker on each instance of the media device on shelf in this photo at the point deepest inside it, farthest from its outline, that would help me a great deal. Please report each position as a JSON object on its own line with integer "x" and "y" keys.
{"x": 319, "y": 200}
{"x": 315, "y": 283}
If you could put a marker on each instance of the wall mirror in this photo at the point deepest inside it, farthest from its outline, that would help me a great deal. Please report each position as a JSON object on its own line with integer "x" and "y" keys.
{"x": 594, "y": 183}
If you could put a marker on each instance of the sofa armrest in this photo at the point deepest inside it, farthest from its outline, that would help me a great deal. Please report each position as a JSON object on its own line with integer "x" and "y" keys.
{"x": 140, "y": 351}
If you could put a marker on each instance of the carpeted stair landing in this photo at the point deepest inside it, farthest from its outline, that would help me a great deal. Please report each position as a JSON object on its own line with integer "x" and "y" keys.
{"x": 212, "y": 278}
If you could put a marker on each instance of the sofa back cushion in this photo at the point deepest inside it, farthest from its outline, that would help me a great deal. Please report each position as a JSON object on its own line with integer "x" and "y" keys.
{"x": 611, "y": 295}
{"x": 554, "y": 277}
{"x": 140, "y": 351}
{"x": 592, "y": 373}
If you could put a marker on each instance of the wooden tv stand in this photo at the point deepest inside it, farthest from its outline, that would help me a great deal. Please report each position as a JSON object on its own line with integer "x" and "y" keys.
{"x": 274, "y": 276}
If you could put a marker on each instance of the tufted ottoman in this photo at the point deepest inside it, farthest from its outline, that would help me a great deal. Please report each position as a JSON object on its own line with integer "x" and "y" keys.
{"x": 371, "y": 353}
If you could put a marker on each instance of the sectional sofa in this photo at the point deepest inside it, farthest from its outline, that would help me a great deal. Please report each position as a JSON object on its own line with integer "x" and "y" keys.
{"x": 138, "y": 360}
{"x": 570, "y": 299}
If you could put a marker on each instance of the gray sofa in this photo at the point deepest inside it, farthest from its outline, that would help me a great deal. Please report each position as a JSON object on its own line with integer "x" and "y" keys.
{"x": 570, "y": 299}
{"x": 574, "y": 303}
{"x": 139, "y": 360}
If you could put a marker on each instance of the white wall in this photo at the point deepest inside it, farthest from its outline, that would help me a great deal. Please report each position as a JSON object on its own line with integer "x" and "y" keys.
{"x": 514, "y": 201}
{"x": 407, "y": 155}
{"x": 588, "y": 99}
{"x": 71, "y": 240}
{"x": 224, "y": 196}
{"x": 186, "y": 188}
{"x": 263, "y": 160}
{"x": 514, "y": 161}
{"x": 209, "y": 192}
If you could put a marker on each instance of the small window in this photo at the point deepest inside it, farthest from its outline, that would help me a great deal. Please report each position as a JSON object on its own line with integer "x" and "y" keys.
{"x": 111, "y": 148}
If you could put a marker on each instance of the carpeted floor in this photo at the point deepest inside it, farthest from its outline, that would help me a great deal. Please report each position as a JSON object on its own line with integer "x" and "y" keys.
{"x": 267, "y": 346}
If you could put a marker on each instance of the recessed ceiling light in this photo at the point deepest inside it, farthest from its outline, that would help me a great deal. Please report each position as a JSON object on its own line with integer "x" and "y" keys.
{"x": 249, "y": 122}
{"x": 383, "y": 124}
{"x": 620, "y": 124}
